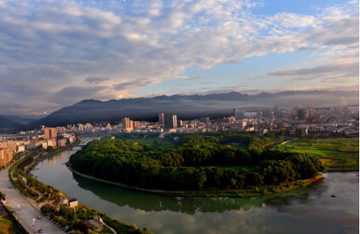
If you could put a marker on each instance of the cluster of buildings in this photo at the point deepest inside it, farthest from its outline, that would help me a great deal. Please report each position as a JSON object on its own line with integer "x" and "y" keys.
{"x": 312, "y": 121}
{"x": 316, "y": 122}
{"x": 129, "y": 125}
{"x": 56, "y": 137}
{"x": 31, "y": 140}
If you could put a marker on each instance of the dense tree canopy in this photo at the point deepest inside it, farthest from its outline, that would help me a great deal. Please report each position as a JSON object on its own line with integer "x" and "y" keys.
{"x": 195, "y": 162}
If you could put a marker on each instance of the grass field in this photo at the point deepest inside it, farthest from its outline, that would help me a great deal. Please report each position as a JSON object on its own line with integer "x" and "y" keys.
{"x": 339, "y": 153}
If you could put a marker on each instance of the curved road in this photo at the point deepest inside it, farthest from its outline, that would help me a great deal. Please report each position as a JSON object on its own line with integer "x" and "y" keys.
{"x": 27, "y": 213}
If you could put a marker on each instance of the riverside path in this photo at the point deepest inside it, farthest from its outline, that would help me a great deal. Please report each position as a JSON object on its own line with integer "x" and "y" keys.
{"x": 27, "y": 214}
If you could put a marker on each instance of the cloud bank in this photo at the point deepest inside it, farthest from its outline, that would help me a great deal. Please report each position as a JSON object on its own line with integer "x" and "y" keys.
{"x": 55, "y": 53}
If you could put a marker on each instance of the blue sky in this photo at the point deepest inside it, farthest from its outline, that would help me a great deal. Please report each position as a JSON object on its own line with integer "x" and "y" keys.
{"x": 56, "y": 53}
{"x": 271, "y": 7}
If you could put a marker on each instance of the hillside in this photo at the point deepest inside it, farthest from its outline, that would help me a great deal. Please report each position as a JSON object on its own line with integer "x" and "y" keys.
{"x": 17, "y": 119}
{"x": 7, "y": 125}
{"x": 189, "y": 106}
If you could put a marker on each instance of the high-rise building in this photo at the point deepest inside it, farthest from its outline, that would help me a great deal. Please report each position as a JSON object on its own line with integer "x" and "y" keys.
{"x": 238, "y": 114}
{"x": 81, "y": 127}
{"x": 301, "y": 113}
{"x": 339, "y": 110}
{"x": 266, "y": 113}
{"x": 162, "y": 119}
{"x": 50, "y": 133}
{"x": 241, "y": 124}
{"x": 259, "y": 114}
{"x": 61, "y": 142}
{"x": 5, "y": 156}
{"x": 136, "y": 124}
{"x": 310, "y": 110}
{"x": 127, "y": 124}
{"x": 180, "y": 123}
{"x": 352, "y": 109}
{"x": 170, "y": 121}
{"x": 12, "y": 145}
{"x": 204, "y": 119}
{"x": 277, "y": 112}
{"x": 60, "y": 129}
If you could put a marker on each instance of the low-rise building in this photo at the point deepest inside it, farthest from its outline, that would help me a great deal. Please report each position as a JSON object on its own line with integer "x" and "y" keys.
{"x": 73, "y": 203}
{"x": 61, "y": 142}
{"x": 20, "y": 148}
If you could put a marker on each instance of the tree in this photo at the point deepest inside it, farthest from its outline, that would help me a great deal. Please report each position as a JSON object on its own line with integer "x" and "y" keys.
{"x": 81, "y": 226}
{"x": 2, "y": 195}
{"x": 299, "y": 133}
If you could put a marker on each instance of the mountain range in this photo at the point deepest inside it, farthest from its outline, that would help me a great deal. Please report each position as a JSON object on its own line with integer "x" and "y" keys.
{"x": 190, "y": 106}
{"x": 17, "y": 119}
{"x": 8, "y": 125}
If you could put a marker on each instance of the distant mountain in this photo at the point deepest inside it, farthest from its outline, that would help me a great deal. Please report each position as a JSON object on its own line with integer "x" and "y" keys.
{"x": 7, "y": 125}
{"x": 17, "y": 119}
{"x": 190, "y": 106}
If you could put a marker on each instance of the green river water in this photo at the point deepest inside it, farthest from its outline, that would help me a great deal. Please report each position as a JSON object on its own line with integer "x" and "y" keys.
{"x": 305, "y": 210}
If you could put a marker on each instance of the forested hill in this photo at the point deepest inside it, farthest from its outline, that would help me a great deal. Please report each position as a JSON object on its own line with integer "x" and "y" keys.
{"x": 194, "y": 162}
{"x": 8, "y": 125}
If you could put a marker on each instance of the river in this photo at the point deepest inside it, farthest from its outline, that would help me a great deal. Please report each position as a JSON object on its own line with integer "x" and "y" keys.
{"x": 304, "y": 210}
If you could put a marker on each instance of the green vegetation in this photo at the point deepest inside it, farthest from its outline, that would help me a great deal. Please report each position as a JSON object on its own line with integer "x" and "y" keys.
{"x": 68, "y": 219}
{"x": 202, "y": 164}
{"x": 337, "y": 154}
{"x": 9, "y": 226}
{"x": 74, "y": 219}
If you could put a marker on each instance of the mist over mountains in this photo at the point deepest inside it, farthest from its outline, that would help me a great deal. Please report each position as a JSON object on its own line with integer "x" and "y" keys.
{"x": 6, "y": 124}
{"x": 17, "y": 119}
{"x": 190, "y": 106}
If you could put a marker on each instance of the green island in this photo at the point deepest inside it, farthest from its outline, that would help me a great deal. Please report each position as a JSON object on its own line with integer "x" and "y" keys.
{"x": 50, "y": 199}
{"x": 233, "y": 164}
{"x": 340, "y": 154}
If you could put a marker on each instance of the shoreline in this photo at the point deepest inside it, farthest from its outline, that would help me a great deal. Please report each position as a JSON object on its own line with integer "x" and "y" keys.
{"x": 342, "y": 170}
{"x": 38, "y": 159}
{"x": 116, "y": 225}
{"x": 209, "y": 193}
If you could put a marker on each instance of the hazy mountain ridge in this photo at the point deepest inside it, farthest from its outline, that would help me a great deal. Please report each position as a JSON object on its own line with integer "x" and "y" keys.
{"x": 17, "y": 119}
{"x": 189, "y": 106}
{"x": 6, "y": 124}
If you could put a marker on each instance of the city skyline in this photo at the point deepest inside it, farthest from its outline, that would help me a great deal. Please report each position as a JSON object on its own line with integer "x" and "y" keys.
{"x": 55, "y": 54}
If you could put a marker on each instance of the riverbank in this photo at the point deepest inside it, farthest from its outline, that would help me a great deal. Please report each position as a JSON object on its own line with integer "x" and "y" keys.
{"x": 339, "y": 154}
{"x": 342, "y": 169}
{"x": 39, "y": 158}
{"x": 178, "y": 215}
{"x": 51, "y": 207}
{"x": 254, "y": 192}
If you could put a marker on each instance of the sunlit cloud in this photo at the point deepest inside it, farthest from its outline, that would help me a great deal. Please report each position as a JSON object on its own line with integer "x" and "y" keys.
{"x": 56, "y": 53}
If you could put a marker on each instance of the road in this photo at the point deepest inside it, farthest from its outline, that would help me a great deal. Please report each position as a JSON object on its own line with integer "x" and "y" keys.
{"x": 27, "y": 213}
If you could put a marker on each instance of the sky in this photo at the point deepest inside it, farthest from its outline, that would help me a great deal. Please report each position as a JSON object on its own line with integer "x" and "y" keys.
{"x": 54, "y": 53}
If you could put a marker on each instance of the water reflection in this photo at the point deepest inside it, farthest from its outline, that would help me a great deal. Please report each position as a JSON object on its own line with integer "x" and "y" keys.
{"x": 305, "y": 210}
{"x": 188, "y": 205}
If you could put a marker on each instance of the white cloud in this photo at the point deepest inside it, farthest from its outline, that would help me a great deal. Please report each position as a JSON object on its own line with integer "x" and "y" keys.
{"x": 290, "y": 20}
{"x": 50, "y": 46}
{"x": 335, "y": 72}
{"x": 131, "y": 84}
